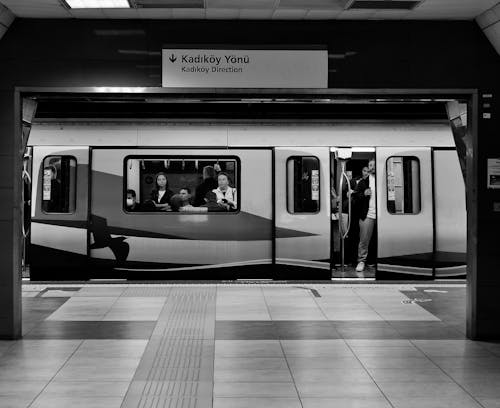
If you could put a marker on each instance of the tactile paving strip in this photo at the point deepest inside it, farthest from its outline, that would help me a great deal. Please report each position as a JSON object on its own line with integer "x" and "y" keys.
{"x": 176, "y": 369}
{"x": 147, "y": 291}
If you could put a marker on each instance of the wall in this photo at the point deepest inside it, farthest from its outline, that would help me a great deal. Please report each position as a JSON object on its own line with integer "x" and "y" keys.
{"x": 371, "y": 54}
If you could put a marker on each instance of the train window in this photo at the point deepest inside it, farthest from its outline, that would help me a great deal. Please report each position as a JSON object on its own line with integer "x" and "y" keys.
{"x": 403, "y": 185}
{"x": 59, "y": 184}
{"x": 182, "y": 184}
{"x": 302, "y": 184}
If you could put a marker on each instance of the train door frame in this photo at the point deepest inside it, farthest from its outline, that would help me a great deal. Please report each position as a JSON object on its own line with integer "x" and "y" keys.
{"x": 370, "y": 272}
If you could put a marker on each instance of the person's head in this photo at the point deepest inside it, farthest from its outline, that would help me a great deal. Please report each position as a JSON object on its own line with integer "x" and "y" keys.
{"x": 131, "y": 198}
{"x": 53, "y": 171}
{"x": 208, "y": 172}
{"x": 365, "y": 172}
{"x": 185, "y": 194}
{"x": 349, "y": 174}
{"x": 371, "y": 165}
{"x": 223, "y": 181}
{"x": 176, "y": 202}
{"x": 161, "y": 181}
{"x": 210, "y": 197}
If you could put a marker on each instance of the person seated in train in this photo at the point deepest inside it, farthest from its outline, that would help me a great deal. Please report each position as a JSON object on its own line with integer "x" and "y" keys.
{"x": 209, "y": 183}
{"x": 185, "y": 194}
{"x": 180, "y": 202}
{"x": 161, "y": 194}
{"x": 211, "y": 203}
{"x": 364, "y": 196}
{"x": 226, "y": 195}
{"x": 132, "y": 204}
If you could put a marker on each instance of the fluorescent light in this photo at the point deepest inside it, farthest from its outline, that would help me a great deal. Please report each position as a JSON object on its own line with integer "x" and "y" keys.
{"x": 75, "y": 4}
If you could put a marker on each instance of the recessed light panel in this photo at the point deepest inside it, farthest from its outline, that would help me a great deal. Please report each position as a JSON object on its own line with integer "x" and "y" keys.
{"x": 81, "y": 4}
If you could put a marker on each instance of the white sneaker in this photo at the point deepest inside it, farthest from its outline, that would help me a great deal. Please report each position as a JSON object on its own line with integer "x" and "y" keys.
{"x": 360, "y": 267}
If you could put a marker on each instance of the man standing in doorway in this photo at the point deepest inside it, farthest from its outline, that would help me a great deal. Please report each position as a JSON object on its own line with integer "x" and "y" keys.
{"x": 365, "y": 195}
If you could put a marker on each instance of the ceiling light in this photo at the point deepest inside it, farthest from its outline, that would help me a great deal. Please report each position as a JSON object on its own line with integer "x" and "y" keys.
{"x": 81, "y": 4}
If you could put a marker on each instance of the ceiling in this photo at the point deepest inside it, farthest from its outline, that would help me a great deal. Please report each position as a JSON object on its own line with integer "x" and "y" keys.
{"x": 258, "y": 9}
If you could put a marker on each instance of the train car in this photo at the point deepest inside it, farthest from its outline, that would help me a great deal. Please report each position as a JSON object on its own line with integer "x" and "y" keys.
{"x": 285, "y": 221}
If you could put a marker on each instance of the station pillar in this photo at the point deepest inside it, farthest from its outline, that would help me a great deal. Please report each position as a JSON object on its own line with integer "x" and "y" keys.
{"x": 483, "y": 279}
{"x": 10, "y": 218}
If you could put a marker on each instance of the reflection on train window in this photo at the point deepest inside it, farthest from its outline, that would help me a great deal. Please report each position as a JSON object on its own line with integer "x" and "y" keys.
{"x": 403, "y": 185}
{"x": 303, "y": 184}
{"x": 59, "y": 184}
{"x": 182, "y": 184}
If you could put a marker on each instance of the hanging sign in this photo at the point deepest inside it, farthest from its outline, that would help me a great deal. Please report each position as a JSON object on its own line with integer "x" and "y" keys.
{"x": 494, "y": 173}
{"x": 47, "y": 179}
{"x": 315, "y": 185}
{"x": 201, "y": 68}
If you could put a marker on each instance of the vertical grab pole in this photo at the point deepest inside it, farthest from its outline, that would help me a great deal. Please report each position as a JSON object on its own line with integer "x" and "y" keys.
{"x": 341, "y": 216}
{"x": 343, "y": 230}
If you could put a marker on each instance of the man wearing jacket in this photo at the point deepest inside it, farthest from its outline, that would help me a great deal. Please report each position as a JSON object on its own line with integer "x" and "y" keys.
{"x": 364, "y": 196}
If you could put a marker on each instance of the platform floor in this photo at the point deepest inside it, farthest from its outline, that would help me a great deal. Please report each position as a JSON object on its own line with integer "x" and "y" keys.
{"x": 239, "y": 346}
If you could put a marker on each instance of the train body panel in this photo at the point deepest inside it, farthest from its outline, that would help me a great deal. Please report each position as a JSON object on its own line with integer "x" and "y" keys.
{"x": 175, "y": 240}
{"x": 405, "y": 235}
{"x": 312, "y": 249}
{"x": 284, "y": 219}
{"x": 450, "y": 223}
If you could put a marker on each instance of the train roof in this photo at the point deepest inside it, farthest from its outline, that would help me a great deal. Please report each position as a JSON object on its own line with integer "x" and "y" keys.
{"x": 436, "y": 134}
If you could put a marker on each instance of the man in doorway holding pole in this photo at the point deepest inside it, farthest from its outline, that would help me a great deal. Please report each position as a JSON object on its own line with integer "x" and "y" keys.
{"x": 365, "y": 196}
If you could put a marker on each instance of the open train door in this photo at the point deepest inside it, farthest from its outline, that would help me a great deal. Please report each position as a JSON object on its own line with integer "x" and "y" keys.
{"x": 404, "y": 212}
{"x": 302, "y": 212}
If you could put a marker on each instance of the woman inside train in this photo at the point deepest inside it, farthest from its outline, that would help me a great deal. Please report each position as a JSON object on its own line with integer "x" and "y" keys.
{"x": 161, "y": 195}
{"x": 226, "y": 195}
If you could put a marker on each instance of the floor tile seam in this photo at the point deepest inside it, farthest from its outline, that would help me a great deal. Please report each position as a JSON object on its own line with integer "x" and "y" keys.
{"x": 371, "y": 307}
{"x": 373, "y": 379}
{"x": 284, "y": 356}
{"x": 55, "y": 375}
{"x": 449, "y": 376}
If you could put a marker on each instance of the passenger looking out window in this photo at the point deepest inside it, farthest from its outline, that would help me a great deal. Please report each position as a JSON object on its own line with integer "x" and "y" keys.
{"x": 226, "y": 195}
{"x": 161, "y": 195}
{"x": 59, "y": 184}
{"x": 132, "y": 204}
{"x": 54, "y": 203}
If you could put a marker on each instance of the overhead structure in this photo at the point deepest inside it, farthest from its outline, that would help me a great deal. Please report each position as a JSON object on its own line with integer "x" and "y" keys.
{"x": 6, "y": 19}
{"x": 489, "y": 22}
{"x": 252, "y": 9}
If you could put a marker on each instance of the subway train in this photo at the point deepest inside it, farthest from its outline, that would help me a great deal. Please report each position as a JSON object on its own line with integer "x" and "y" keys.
{"x": 287, "y": 221}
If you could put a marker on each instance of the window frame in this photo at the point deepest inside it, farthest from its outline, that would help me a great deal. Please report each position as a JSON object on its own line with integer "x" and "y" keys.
{"x": 419, "y": 186}
{"x": 180, "y": 157}
{"x": 287, "y": 189}
{"x": 76, "y": 185}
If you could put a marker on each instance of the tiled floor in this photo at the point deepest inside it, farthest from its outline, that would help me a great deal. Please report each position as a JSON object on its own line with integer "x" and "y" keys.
{"x": 241, "y": 346}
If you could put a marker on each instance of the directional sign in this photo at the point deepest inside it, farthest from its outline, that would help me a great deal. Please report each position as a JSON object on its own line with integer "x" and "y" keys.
{"x": 201, "y": 68}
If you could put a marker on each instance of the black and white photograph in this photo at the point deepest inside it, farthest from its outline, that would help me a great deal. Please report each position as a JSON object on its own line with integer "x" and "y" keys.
{"x": 249, "y": 203}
